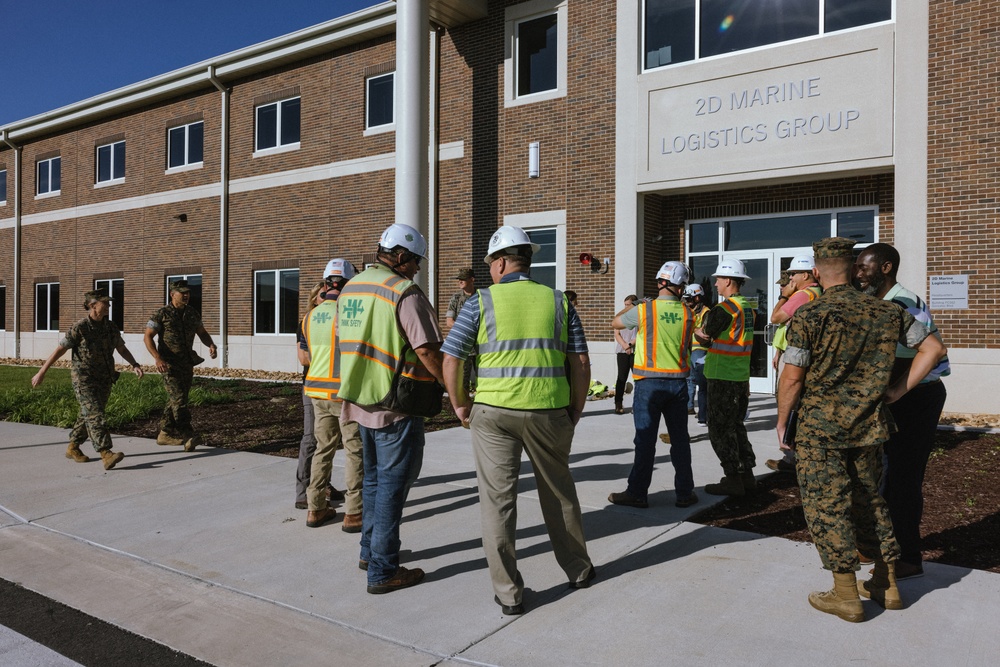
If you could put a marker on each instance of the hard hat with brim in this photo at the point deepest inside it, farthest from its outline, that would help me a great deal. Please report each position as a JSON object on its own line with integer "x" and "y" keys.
{"x": 510, "y": 240}
{"x": 730, "y": 268}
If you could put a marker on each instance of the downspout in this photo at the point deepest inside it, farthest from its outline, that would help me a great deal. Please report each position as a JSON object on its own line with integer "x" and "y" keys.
{"x": 223, "y": 222}
{"x": 434, "y": 158}
{"x": 17, "y": 243}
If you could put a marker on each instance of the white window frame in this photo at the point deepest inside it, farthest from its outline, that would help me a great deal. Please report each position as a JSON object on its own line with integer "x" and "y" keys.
{"x": 38, "y": 181}
{"x": 385, "y": 127}
{"x": 98, "y": 183}
{"x": 117, "y": 303}
{"x": 184, "y": 276}
{"x": 546, "y": 220}
{"x": 279, "y": 147}
{"x": 526, "y": 11}
{"x": 277, "y": 301}
{"x": 187, "y": 165}
{"x": 3, "y": 178}
{"x": 48, "y": 315}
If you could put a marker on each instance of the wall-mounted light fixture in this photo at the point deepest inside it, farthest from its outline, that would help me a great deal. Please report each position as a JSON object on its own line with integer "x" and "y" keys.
{"x": 589, "y": 261}
{"x": 533, "y": 160}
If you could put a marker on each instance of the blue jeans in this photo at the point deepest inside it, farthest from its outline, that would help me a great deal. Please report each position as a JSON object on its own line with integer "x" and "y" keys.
{"x": 655, "y": 398}
{"x": 393, "y": 456}
{"x": 697, "y": 381}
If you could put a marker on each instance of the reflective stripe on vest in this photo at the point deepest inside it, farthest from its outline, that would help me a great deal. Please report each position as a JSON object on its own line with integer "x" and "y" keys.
{"x": 369, "y": 338}
{"x": 319, "y": 327}
{"x": 663, "y": 340}
{"x": 729, "y": 356}
{"x": 522, "y": 347}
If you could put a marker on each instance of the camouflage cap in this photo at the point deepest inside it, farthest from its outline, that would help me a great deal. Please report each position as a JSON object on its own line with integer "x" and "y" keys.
{"x": 179, "y": 286}
{"x": 784, "y": 279}
{"x": 95, "y": 295}
{"x": 465, "y": 274}
{"x": 836, "y": 247}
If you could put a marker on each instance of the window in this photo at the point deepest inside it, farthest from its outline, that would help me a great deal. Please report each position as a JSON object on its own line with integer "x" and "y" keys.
{"x": 194, "y": 285}
{"x": 46, "y": 306}
{"x": 380, "y": 100}
{"x": 185, "y": 145}
{"x": 676, "y": 31}
{"x": 3, "y": 186}
{"x": 278, "y": 124}
{"x": 547, "y": 229}
{"x": 111, "y": 163}
{"x": 49, "y": 176}
{"x": 3, "y": 307}
{"x": 543, "y": 262}
{"x": 115, "y": 288}
{"x": 536, "y": 37}
{"x": 793, "y": 230}
{"x": 276, "y": 301}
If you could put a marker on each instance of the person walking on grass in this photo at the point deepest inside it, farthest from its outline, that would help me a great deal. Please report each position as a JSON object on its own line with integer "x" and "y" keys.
{"x": 93, "y": 340}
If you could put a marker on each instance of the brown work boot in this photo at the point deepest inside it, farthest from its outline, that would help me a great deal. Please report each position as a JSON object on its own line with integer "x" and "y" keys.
{"x": 352, "y": 523}
{"x": 319, "y": 517}
{"x": 842, "y": 600}
{"x": 111, "y": 458}
{"x": 73, "y": 452}
{"x": 164, "y": 438}
{"x": 403, "y": 578}
{"x": 882, "y": 586}
{"x": 730, "y": 485}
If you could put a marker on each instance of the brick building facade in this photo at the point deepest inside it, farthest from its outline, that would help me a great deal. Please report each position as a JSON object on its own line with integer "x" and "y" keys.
{"x": 883, "y": 129}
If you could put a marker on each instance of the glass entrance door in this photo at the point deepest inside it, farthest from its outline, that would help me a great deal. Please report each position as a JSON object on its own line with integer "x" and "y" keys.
{"x": 759, "y": 291}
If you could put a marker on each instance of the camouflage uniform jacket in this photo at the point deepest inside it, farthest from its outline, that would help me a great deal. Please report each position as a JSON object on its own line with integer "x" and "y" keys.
{"x": 846, "y": 341}
{"x": 93, "y": 344}
{"x": 177, "y": 328}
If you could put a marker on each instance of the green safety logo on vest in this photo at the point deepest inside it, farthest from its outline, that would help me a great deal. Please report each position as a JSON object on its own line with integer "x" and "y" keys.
{"x": 670, "y": 318}
{"x": 322, "y": 318}
{"x": 351, "y": 308}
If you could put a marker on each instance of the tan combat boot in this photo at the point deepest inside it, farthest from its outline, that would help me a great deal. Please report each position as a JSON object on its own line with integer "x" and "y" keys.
{"x": 73, "y": 452}
{"x": 164, "y": 438}
{"x": 882, "y": 586}
{"x": 111, "y": 458}
{"x": 730, "y": 485}
{"x": 843, "y": 600}
{"x": 192, "y": 442}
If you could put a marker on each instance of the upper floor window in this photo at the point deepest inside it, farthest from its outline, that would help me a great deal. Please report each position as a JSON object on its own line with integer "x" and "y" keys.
{"x": 536, "y": 35}
{"x": 185, "y": 145}
{"x": 115, "y": 288}
{"x": 194, "y": 288}
{"x": 3, "y": 186}
{"x": 49, "y": 176}
{"x": 46, "y": 306}
{"x": 676, "y": 31}
{"x": 380, "y": 100}
{"x": 276, "y": 301}
{"x": 111, "y": 162}
{"x": 278, "y": 124}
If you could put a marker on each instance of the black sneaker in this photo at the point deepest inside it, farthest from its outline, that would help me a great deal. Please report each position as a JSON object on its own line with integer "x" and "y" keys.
{"x": 509, "y": 610}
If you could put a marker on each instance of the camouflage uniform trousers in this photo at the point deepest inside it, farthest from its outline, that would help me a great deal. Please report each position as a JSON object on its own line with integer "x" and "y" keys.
{"x": 843, "y": 508}
{"x": 176, "y": 420}
{"x": 93, "y": 397}
{"x": 727, "y": 405}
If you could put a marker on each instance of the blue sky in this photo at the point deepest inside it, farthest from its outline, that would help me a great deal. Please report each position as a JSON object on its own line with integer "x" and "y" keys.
{"x": 56, "y": 52}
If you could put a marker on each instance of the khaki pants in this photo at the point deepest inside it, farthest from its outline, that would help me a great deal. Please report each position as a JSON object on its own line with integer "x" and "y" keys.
{"x": 498, "y": 437}
{"x": 331, "y": 435}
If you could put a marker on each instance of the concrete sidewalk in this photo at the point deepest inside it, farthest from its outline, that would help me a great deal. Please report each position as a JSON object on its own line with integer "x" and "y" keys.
{"x": 205, "y": 553}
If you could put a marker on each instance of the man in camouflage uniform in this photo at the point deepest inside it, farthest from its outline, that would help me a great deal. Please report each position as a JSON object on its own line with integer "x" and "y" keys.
{"x": 466, "y": 288}
{"x": 175, "y": 358}
{"x": 93, "y": 341}
{"x": 841, "y": 349}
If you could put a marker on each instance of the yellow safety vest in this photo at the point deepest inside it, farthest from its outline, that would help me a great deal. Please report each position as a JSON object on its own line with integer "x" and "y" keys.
{"x": 699, "y": 320}
{"x": 320, "y": 329}
{"x": 371, "y": 345}
{"x": 780, "y": 340}
{"x": 729, "y": 356}
{"x": 663, "y": 340}
{"x": 522, "y": 347}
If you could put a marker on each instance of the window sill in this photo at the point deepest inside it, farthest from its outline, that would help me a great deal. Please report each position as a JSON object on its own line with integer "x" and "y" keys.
{"x": 113, "y": 181}
{"x": 287, "y": 148}
{"x": 48, "y": 195}
{"x": 543, "y": 96}
{"x": 184, "y": 167}
{"x": 380, "y": 129}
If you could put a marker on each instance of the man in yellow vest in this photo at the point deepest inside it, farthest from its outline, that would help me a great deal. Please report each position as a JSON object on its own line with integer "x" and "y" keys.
{"x": 662, "y": 365}
{"x": 728, "y": 329}
{"x": 319, "y": 327}
{"x": 694, "y": 299}
{"x": 390, "y": 364}
{"x": 529, "y": 337}
{"x": 800, "y": 290}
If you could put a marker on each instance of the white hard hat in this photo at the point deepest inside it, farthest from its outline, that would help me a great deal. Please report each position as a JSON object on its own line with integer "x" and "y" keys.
{"x": 508, "y": 236}
{"x": 694, "y": 289}
{"x": 339, "y": 268}
{"x": 399, "y": 235}
{"x": 730, "y": 268}
{"x": 674, "y": 273}
{"x": 801, "y": 263}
